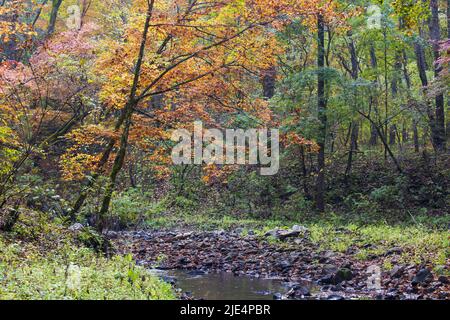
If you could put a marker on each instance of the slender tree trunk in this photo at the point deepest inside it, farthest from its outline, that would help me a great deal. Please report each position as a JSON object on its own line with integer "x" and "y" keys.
{"x": 392, "y": 134}
{"x": 386, "y": 93}
{"x": 354, "y": 124}
{"x": 353, "y": 147}
{"x": 268, "y": 81}
{"x": 321, "y": 111}
{"x": 383, "y": 140}
{"x": 422, "y": 67}
{"x": 304, "y": 172}
{"x": 128, "y": 112}
{"x": 435, "y": 35}
{"x": 373, "y": 131}
{"x": 53, "y": 16}
{"x": 416, "y": 137}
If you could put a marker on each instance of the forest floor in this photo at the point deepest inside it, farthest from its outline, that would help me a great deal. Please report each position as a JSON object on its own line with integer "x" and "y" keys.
{"x": 336, "y": 261}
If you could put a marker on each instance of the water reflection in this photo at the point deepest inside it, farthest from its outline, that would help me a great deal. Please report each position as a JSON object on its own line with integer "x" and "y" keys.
{"x": 224, "y": 285}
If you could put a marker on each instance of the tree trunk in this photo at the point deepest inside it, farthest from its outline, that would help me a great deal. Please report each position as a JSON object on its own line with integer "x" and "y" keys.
{"x": 268, "y": 82}
{"x": 354, "y": 124}
{"x": 435, "y": 35}
{"x": 321, "y": 113}
{"x": 416, "y": 137}
{"x": 421, "y": 66}
{"x": 128, "y": 113}
{"x": 392, "y": 134}
{"x": 373, "y": 131}
{"x": 53, "y": 16}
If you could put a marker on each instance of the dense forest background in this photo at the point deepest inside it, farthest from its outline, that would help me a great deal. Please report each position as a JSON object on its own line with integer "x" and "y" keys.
{"x": 359, "y": 94}
{"x": 91, "y": 90}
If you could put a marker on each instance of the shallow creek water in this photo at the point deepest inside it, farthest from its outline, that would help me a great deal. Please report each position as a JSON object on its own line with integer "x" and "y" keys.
{"x": 224, "y": 285}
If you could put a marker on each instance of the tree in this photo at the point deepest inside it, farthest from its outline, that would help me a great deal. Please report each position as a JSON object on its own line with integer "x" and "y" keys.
{"x": 321, "y": 111}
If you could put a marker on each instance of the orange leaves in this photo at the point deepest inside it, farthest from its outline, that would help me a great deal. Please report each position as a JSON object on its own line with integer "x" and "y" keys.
{"x": 293, "y": 139}
{"x": 12, "y": 25}
{"x": 84, "y": 155}
{"x": 201, "y": 60}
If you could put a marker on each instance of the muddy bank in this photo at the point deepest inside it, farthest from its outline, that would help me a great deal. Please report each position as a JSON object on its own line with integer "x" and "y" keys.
{"x": 294, "y": 259}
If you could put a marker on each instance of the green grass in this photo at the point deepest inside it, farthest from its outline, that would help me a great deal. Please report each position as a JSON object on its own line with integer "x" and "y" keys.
{"x": 73, "y": 273}
{"x": 41, "y": 260}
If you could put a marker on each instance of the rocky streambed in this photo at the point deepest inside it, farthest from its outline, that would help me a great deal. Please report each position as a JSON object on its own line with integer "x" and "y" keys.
{"x": 303, "y": 270}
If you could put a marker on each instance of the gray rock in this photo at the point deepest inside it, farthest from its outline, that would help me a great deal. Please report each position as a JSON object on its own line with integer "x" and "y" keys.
{"x": 284, "y": 264}
{"x": 277, "y": 296}
{"x": 343, "y": 274}
{"x": 397, "y": 271}
{"x": 76, "y": 227}
{"x": 272, "y": 233}
{"x": 284, "y": 234}
{"x": 443, "y": 280}
{"x": 299, "y": 228}
{"x": 422, "y": 276}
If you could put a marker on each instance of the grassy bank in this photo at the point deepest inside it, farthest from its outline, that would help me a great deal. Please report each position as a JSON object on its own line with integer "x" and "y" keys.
{"x": 42, "y": 260}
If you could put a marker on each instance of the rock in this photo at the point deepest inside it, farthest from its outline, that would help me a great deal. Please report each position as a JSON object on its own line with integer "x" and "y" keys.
{"x": 76, "y": 227}
{"x": 397, "y": 271}
{"x": 328, "y": 279}
{"x": 183, "y": 235}
{"x": 272, "y": 233}
{"x": 337, "y": 287}
{"x": 343, "y": 274}
{"x": 284, "y": 264}
{"x": 208, "y": 263}
{"x": 443, "y": 280}
{"x": 284, "y": 234}
{"x": 421, "y": 277}
{"x": 299, "y": 292}
{"x": 329, "y": 269}
{"x": 395, "y": 250}
{"x": 183, "y": 261}
{"x": 299, "y": 228}
{"x": 277, "y": 296}
{"x": 170, "y": 280}
{"x": 326, "y": 256}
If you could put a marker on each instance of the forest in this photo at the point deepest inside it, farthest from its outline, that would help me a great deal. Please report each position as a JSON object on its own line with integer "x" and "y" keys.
{"x": 224, "y": 150}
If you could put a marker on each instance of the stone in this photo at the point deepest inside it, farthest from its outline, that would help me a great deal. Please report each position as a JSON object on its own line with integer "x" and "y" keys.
{"x": 397, "y": 271}
{"x": 343, "y": 274}
{"x": 277, "y": 296}
{"x": 272, "y": 233}
{"x": 284, "y": 264}
{"x": 328, "y": 279}
{"x": 395, "y": 250}
{"x": 443, "y": 280}
{"x": 76, "y": 227}
{"x": 284, "y": 234}
{"x": 299, "y": 228}
{"x": 183, "y": 261}
{"x": 421, "y": 277}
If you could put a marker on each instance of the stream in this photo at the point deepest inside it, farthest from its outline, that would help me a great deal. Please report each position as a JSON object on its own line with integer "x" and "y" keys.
{"x": 223, "y": 285}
